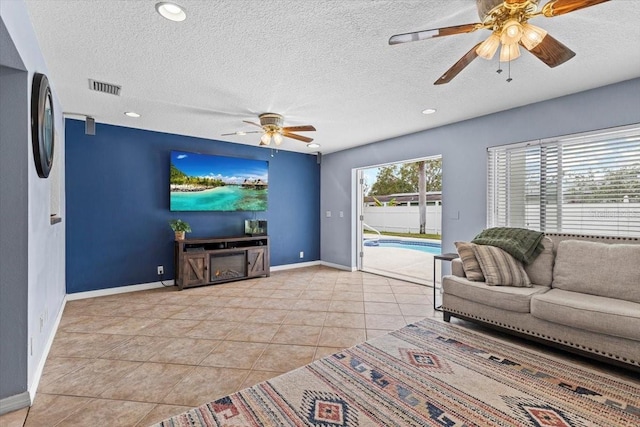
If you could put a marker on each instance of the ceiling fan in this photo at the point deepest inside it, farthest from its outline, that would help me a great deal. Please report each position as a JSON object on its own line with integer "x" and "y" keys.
{"x": 273, "y": 130}
{"x": 508, "y": 21}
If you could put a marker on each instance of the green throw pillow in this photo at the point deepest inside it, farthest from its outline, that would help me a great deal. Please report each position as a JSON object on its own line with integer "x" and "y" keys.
{"x": 499, "y": 268}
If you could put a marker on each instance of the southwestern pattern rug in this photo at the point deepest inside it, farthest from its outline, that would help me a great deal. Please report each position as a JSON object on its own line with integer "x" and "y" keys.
{"x": 429, "y": 374}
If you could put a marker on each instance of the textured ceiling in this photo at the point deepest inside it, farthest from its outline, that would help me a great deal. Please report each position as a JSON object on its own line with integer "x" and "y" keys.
{"x": 319, "y": 62}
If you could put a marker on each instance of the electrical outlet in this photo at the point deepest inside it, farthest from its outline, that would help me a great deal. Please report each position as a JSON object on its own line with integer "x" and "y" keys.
{"x": 301, "y": 254}
{"x": 160, "y": 270}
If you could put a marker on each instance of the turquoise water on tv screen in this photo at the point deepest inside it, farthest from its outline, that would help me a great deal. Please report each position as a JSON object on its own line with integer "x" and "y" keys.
{"x": 227, "y": 198}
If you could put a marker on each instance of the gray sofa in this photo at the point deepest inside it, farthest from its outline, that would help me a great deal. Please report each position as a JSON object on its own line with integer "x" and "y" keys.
{"x": 585, "y": 298}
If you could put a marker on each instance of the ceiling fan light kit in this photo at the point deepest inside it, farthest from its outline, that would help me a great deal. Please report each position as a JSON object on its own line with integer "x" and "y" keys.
{"x": 511, "y": 32}
{"x": 509, "y": 52}
{"x": 532, "y": 36}
{"x": 508, "y": 22}
{"x": 273, "y": 130}
{"x": 488, "y": 48}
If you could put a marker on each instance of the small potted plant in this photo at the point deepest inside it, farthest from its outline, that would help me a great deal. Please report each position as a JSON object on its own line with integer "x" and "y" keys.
{"x": 179, "y": 227}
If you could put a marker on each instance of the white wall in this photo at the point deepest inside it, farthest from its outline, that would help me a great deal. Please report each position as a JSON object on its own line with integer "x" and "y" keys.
{"x": 463, "y": 148}
{"x": 45, "y": 243}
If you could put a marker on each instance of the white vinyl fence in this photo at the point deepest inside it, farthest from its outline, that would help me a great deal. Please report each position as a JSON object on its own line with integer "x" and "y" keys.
{"x": 403, "y": 219}
{"x": 605, "y": 219}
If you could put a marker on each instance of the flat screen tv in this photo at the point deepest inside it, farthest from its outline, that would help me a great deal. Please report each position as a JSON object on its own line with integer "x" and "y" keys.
{"x": 204, "y": 182}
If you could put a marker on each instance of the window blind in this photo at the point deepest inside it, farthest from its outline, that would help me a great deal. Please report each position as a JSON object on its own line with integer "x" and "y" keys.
{"x": 587, "y": 183}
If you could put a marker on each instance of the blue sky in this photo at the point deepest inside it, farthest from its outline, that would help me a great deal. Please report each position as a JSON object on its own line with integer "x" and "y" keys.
{"x": 370, "y": 176}
{"x": 229, "y": 169}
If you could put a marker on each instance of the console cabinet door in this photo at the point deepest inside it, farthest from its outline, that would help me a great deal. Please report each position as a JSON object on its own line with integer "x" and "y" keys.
{"x": 258, "y": 262}
{"x": 194, "y": 270}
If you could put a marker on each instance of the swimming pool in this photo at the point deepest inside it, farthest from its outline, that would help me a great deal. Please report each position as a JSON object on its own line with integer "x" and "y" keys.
{"x": 428, "y": 247}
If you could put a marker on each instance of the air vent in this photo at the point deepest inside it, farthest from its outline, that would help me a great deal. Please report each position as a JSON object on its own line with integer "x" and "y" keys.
{"x": 104, "y": 87}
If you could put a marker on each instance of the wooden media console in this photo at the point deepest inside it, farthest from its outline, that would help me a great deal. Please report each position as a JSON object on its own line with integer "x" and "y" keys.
{"x": 217, "y": 260}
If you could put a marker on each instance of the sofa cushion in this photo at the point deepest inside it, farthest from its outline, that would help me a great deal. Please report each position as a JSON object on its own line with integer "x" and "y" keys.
{"x": 593, "y": 313}
{"x": 469, "y": 262}
{"x": 607, "y": 270}
{"x": 503, "y": 297}
{"x": 499, "y": 268}
{"x": 540, "y": 271}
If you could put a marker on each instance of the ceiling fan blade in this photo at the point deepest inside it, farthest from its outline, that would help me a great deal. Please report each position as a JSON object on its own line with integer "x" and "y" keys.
{"x": 252, "y": 123}
{"x": 429, "y": 34}
{"x": 458, "y": 66}
{"x": 241, "y": 132}
{"x": 304, "y": 128}
{"x": 298, "y": 137}
{"x": 552, "y": 52}
{"x": 560, "y": 7}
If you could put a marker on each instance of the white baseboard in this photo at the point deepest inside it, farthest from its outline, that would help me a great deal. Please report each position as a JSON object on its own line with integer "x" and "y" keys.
{"x": 118, "y": 290}
{"x": 38, "y": 373}
{"x": 15, "y": 402}
{"x": 154, "y": 285}
{"x": 312, "y": 264}
{"x": 296, "y": 265}
{"x": 338, "y": 266}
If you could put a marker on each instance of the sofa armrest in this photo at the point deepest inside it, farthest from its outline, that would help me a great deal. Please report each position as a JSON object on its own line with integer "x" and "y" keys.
{"x": 456, "y": 268}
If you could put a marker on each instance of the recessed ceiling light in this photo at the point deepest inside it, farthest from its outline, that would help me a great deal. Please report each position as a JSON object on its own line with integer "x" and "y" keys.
{"x": 171, "y": 11}
{"x": 313, "y": 145}
{"x": 132, "y": 114}
{"x": 429, "y": 111}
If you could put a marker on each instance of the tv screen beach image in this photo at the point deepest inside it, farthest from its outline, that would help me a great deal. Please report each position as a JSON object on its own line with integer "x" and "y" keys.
{"x": 204, "y": 182}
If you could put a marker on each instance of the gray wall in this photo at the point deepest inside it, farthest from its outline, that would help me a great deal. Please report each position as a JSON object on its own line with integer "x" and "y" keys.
{"x": 463, "y": 148}
{"x": 13, "y": 220}
{"x": 34, "y": 288}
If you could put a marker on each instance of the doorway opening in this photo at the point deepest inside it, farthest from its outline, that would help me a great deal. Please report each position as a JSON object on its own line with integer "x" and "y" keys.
{"x": 399, "y": 217}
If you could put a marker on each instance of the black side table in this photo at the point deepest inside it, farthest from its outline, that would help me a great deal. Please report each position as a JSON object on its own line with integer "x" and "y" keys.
{"x": 443, "y": 257}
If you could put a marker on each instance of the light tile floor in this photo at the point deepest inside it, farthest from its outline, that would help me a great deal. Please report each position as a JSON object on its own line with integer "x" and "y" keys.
{"x": 137, "y": 358}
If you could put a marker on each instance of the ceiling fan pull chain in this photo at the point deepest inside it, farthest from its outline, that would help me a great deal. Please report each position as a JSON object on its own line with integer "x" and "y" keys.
{"x": 509, "y": 79}
{"x": 499, "y": 70}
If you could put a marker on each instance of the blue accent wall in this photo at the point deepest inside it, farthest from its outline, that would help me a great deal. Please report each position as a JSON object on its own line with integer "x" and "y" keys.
{"x": 117, "y": 195}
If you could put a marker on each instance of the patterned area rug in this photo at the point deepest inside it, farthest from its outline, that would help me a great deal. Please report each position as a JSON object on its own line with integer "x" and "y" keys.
{"x": 429, "y": 374}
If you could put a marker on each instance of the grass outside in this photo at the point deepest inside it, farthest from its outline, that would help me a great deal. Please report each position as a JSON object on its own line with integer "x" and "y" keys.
{"x": 413, "y": 235}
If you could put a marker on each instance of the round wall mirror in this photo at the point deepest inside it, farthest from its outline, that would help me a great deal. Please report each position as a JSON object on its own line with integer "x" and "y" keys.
{"x": 42, "y": 124}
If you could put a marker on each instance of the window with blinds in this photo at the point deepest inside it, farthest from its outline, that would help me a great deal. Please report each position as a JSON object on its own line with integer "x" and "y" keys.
{"x": 587, "y": 183}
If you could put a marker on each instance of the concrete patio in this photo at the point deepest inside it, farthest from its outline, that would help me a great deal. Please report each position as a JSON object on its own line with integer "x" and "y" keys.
{"x": 405, "y": 264}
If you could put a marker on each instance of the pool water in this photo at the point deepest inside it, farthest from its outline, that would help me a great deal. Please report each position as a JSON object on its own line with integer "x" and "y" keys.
{"x": 428, "y": 247}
